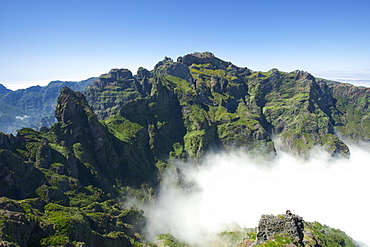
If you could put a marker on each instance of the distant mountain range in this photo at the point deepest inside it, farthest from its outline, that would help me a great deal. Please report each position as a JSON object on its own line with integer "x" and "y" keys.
{"x": 217, "y": 91}
{"x": 33, "y": 107}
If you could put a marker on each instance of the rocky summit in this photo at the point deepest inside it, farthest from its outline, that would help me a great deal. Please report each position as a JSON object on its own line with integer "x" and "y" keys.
{"x": 290, "y": 230}
{"x": 70, "y": 183}
{"x": 288, "y": 223}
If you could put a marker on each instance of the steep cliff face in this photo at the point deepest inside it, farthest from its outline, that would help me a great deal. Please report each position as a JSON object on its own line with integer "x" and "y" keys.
{"x": 353, "y": 106}
{"x": 110, "y": 91}
{"x": 94, "y": 143}
{"x": 78, "y": 125}
{"x": 300, "y": 110}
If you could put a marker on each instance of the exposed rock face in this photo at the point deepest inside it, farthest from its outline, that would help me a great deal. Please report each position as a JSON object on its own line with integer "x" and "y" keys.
{"x": 143, "y": 76}
{"x": 203, "y": 58}
{"x": 110, "y": 91}
{"x": 288, "y": 223}
{"x": 177, "y": 69}
{"x": 79, "y": 127}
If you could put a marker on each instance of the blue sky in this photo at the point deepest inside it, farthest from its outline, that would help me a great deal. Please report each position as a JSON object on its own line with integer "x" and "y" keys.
{"x": 47, "y": 40}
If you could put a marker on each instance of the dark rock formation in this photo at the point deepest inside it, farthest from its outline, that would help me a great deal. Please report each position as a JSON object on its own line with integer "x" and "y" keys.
{"x": 177, "y": 69}
{"x": 287, "y": 223}
{"x": 110, "y": 91}
{"x": 143, "y": 76}
{"x": 78, "y": 126}
{"x": 203, "y": 58}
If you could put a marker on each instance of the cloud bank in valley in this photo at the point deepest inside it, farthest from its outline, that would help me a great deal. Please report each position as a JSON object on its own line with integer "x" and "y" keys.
{"x": 231, "y": 187}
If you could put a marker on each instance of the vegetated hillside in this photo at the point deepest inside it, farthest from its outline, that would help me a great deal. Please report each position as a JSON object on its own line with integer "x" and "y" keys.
{"x": 60, "y": 186}
{"x": 201, "y": 102}
{"x": 66, "y": 185}
{"x": 33, "y": 107}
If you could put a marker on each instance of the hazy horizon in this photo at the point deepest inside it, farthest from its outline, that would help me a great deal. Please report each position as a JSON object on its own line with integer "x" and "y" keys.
{"x": 361, "y": 78}
{"x": 64, "y": 40}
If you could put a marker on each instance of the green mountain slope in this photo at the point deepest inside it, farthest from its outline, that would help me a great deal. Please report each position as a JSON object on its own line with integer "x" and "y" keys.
{"x": 67, "y": 185}
{"x": 217, "y": 105}
{"x": 62, "y": 186}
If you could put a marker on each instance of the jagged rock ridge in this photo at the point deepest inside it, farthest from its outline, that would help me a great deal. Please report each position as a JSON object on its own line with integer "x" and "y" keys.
{"x": 218, "y": 105}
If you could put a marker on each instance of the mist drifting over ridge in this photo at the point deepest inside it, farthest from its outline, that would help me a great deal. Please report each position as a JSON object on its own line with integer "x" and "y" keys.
{"x": 231, "y": 188}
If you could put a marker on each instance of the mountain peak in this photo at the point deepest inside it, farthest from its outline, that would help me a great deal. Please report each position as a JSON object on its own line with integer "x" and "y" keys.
{"x": 206, "y": 54}
{"x": 203, "y": 58}
{"x": 120, "y": 74}
{"x": 301, "y": 74}
{"x": 72, "y": 107}
{"x": 3, "y": 89}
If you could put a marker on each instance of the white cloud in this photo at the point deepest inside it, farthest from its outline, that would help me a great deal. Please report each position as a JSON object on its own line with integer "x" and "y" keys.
{"x": 22, "y": 117}
{"x": 357, "y": 78}
{"x": 230, "y": 187}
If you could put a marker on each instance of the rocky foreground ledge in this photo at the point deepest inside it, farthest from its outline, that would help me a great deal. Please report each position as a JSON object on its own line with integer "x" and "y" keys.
{"x": 290, "y": 224}
{"x": 291, "y": 230}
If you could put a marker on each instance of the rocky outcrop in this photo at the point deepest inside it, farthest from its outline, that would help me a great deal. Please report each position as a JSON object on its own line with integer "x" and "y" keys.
{"x": 288, "y": 223}
{"x": 110, "y": 91}
{"x": 203, "y": 58}
{"x": 143, "y": 77}
{"x": 93, "y": 143}
{"x": 177, "y": 69}
{"x": 78, "y": 125}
